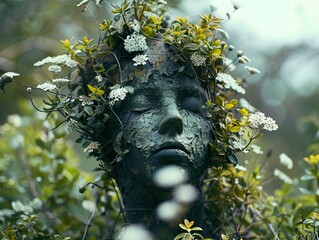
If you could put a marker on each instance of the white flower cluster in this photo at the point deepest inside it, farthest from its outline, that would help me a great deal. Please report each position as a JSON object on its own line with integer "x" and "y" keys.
{"x": 47, "y": 86}
{"x": 64, "y": 59}
{"x": 140, "y": 59}
{"x": 72, "y": 125}
{"x": 116, "y": 95}
{"x": 60, "y": 80}
{"x": 259, "y": 119}
{"x": 93, "y": 146}
{"x": 135, "y": 42}
{"x": 55, "y": 68}
{"x": 198, "y": 59}
{"x": 9, "y": 75}
{"x": 229, "y": 82}
{"x": 136, "y": 26}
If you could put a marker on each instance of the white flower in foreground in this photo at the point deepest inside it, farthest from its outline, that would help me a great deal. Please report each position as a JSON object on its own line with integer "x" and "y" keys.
{"x": 282, "y": 176}
{"x": 135, "y": 232}
{"x": 197, "y": 59}
{"x": 47, "y": 86}
{"x": 185, "y": 193}
{"x": 135, "y": 42}
{"x": 55, "y": 68}
{"x": 170, "y": 176}
{"x": 117, "y": 95}
{"x": 64, "y": 59}
{"x": 168, "y": 210}
{"x": 229, "y": 82}
{"x": 93, "y": 146}
{"x": 252, "y": 70}
{"x": 286, "y": 161}
{"x": 140, "y": 59}
{"x": 9, "y": 75}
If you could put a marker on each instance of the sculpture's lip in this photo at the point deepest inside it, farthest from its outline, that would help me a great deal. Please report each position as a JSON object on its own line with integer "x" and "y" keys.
{"x": 171, "y": 145}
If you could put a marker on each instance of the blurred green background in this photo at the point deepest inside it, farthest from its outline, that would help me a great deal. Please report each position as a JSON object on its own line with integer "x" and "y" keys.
{"x": 280, "y": 38}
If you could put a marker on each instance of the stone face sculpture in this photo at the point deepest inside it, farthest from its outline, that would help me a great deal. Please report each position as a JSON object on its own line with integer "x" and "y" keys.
{"x": 165, "y": 125}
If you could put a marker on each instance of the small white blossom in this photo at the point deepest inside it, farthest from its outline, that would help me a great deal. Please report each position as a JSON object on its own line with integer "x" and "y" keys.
{"x": 231, "y": 47}
{"x": 259, "y": 119}
{"x": 240, "y": 53}
{"x": 256, "y": 149}
{"x": 64, "y": 59}
{"x": 140, "y": 59}
{"x": 136, "y": 26}
{"x": 270, "y": 124}
{"x": 241, "y": 168}
{"x": 93, "y": 146}
{"x": 135, "y": 42}
{"x": 72, "y": 125}
{"x": 55, "y": 68}
{"x": 256, "y": 119}
{"x": 282, "y": 176}
{"x": 47, "y": 86}
{"x": 9, "y": 75}
{"x": 86, "y": 100}
{"x": 242, "y": 60}
{"x": 238, "y": 144}
{"x": 117, "y": 95}
{"x": 198, "y": 59}
{"x": 230, "y": 82}
{"x": 252, "y": 70}
{"x": 99, "y": 78}
{"x": 60, "y": 80}
{"x": 286, "y": 161}
{"x": 29, "y": 89}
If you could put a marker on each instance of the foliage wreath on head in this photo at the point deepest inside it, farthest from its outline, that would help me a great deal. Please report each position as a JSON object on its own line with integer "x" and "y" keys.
{"x": 86, "y": 98}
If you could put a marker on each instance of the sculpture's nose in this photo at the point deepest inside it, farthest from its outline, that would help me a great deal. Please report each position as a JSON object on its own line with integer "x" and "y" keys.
{"x": 171, "y": 122}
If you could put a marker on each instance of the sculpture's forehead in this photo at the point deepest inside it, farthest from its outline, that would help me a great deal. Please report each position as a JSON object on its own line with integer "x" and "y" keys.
{"x": 173, "y": 82}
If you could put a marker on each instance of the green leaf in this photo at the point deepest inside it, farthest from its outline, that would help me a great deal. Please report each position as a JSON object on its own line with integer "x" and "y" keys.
{"x": 191, "y": 47}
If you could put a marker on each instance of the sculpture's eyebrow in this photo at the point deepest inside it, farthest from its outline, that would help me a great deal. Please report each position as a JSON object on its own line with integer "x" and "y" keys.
{"x": 193, "y": 90}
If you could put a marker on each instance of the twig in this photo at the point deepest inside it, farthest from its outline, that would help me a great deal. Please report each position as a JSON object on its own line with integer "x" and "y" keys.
{"x": 88, "y": 224}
